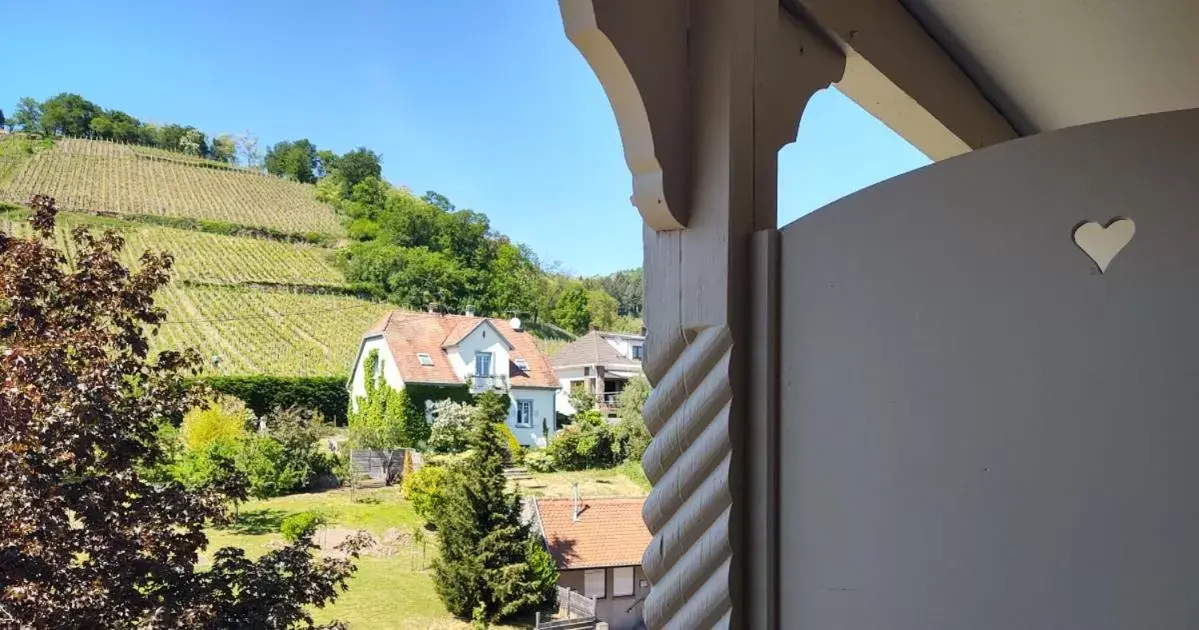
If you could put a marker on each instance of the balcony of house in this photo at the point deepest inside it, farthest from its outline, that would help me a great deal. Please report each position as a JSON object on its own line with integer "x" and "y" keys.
{"x": 608, "y": 399}
{"x": 486, "y": 382}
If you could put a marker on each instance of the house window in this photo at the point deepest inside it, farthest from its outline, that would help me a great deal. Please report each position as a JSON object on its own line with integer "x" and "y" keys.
{"x": 482, "y": 364}
{"x": 587, "y": 371}
{"x": 522, "y": 364}
{"x": 638, "y": 352}
{"x": 424, "y": 359}
{"x": 594, "y": 583}
{"x": 524, "y": 413}
{"x": 622, "y": 581}
{"x": 377, "y": 369}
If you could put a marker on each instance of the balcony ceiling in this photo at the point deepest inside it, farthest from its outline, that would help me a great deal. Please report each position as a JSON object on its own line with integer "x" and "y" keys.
{"x": 1048, "y": 64}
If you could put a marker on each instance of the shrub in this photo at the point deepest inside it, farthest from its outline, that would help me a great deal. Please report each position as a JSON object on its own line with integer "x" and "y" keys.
{"x": 425, "y": 488}
{"x": 325, "y": 395}
{"x": 222, "y": 419}
{"x": 451, "y": 427}
{"x": 302, "y": 525}
{"x": 515, "y": 452}
{"x": 590, "y": 442}
{"x": 539, "y": 461}
{"x": 270, "y": 468}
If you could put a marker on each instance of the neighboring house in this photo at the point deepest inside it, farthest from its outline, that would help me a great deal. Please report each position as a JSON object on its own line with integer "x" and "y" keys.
{"x": 478, "y": 352}
{"x": 600, "y": 363}
{"x": 598, "y": 544}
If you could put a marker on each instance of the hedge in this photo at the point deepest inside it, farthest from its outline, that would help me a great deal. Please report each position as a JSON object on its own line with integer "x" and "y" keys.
{"x": 326, "y": 394}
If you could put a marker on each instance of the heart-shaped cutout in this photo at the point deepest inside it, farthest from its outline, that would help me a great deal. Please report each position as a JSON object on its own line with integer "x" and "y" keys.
{"x": 1103, "y": 243}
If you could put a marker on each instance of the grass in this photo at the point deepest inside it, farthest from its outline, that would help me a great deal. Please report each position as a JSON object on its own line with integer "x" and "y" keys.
{"x": 614, "y": 482}
{"x": 95, "y": 176}
{"x": 388, "y": 592}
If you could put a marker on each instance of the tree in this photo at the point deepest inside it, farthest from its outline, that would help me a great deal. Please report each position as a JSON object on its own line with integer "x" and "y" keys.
{"x": 193, "y": 142}
{"x": 571, "y": 311}
{"x": 513, "y": 280}
{"x": 627, "y": 287}
{"x": 629, "y": 406}
{"x": 326, "y": 163}
{"x": 451, "y": 427}
{"x": 2, "y": 121}
{"x": 601, "y": 308}
{"x": 86, "y": 541}
{"x": 222, "y": 419}
{"x": 68, "y": 115}
{"x": 438, "y": 200}
{"x": 28, "y": 115}
{"x": 224, "y": 149}
{"x": 170, "y": 136}
{"x": 247, "y": 147}
{"x": 293, "y": 160}
{"x": 359, "y": 164}
{"x": 490, "y": 567}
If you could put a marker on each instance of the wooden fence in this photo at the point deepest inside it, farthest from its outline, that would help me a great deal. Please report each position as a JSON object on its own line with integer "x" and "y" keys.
{"x": 575, "y": 612}
{"x": 380, "y": 464}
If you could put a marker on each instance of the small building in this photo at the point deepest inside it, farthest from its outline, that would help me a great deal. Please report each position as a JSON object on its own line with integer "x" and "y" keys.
{"x": 477, "y": 353}
{"x": 600, "y": 363}
{"x": 598, "y": 544}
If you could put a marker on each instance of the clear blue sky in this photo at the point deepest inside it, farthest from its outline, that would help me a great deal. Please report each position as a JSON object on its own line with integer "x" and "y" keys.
{"x": 484, "y": 102}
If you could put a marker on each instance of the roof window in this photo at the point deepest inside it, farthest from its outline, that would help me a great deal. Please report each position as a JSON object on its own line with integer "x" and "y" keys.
{"x": 424, "y": 359}
{"x": 522, "y": 364}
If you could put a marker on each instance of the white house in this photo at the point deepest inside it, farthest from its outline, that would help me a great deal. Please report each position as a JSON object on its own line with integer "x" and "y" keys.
{"x": 601, "y": 363}
{"x": 451, "y": 350}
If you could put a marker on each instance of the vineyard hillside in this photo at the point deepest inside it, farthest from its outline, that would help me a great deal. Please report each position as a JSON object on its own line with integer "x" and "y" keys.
{"x": 98, "y": 176}
{"x": 251, "y": 306}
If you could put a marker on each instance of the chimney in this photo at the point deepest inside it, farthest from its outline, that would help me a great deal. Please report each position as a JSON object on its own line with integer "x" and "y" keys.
{"x": 575, "y": 502}
{"x": 470, "y": 311}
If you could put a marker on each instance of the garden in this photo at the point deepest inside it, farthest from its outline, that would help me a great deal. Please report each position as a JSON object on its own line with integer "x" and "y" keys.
{"x": 157, "y": 501}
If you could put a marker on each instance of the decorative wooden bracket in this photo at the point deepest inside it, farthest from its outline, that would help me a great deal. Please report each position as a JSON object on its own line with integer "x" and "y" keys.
{"x": 638, "y": 49}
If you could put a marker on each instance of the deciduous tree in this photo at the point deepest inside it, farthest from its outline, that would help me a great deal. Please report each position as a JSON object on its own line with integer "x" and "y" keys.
{"x": 28, "y": 114}
{"x": 85, "y": 540}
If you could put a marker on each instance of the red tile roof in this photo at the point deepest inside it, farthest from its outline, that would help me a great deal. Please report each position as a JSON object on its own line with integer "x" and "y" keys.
{"x": 609, "y": 532}
{"x": 411, "y": 332}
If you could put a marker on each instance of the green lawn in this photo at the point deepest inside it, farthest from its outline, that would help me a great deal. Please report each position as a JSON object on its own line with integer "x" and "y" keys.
{"x": 394, "y": 591}
{"x": 387, "y": 592}
{"x": 623, "y": 481}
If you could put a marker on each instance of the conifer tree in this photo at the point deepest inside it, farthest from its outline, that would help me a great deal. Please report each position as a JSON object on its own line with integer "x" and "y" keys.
{"x": 490, "y": 567}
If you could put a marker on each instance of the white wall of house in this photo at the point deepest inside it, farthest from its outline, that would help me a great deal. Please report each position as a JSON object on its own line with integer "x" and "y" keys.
{"x": 391, "y": 373}
{"x": 565, "y": 376}
{"x": 484, "y": 338}
{"x": 543, "y": 411}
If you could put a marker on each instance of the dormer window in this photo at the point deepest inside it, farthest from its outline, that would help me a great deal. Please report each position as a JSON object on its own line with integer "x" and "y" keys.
{"x": 424, "y": 359}
{"x": 522, "y": 364}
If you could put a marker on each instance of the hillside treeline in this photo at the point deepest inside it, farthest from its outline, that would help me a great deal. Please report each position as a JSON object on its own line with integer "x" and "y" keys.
{"x": 413, "y": 251}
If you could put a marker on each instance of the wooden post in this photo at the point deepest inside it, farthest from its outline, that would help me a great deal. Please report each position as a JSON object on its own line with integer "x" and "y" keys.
{"x": 706, "y": 92}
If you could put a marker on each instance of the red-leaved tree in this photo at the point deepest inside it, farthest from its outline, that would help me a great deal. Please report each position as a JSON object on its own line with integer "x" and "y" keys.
{"x": 85, "y": 541}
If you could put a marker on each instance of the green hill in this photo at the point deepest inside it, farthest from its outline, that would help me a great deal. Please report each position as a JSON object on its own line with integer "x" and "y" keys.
{"x": 258, "y": 305}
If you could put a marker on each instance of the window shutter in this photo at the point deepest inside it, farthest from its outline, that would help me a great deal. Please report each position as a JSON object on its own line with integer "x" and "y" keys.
{"x": 594, "y": 583}
{"x": 622, "y": 581}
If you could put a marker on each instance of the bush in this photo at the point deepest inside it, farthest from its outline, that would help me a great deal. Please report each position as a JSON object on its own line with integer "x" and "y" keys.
{"x": 515, "y": 452}
{"x": 270, "y": 468}
{"x": 222, "y": 419}
{"x": 425, "y": 488}
{"x": 539, "y": 461}
{"x": 590, "y": 442}
{"x": 300, "y": 525}
{"x": 451, "y": 427}
{"x": 325, "y": 395}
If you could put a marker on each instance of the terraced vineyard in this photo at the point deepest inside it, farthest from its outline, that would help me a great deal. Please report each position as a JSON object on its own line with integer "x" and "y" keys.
{"x": 97, "y": 176}
{"x": 205, "y": 258}
{"x": 218, "y": 304}
{"x": 266, "y": 332}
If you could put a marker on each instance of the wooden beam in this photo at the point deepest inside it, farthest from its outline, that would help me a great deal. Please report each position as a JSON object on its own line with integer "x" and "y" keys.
{"x": 896, "y": 71}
